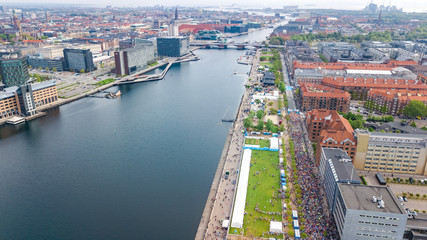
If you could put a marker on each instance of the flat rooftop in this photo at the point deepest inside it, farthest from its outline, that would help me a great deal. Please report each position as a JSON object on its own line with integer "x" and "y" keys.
{"x": 359, "y": 197}
{"x": 342, "y": 164}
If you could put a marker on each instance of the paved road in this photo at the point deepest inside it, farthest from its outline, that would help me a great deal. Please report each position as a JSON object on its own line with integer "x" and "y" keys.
{"x": 289, "y": 92}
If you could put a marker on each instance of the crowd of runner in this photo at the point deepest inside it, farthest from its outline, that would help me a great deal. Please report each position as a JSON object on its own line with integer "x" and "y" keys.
{"x": 316, "y": 225}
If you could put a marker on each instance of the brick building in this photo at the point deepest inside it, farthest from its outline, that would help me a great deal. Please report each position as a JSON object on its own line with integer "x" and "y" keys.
{"x": 359, "y": 87}
{"x": 329, "y": 129}
{"x": 316, "y": 96}
{"x": 392, "y": 102}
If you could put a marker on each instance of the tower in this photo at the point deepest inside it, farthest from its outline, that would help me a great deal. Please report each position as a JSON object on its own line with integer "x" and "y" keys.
{"x": 176, "y": 13}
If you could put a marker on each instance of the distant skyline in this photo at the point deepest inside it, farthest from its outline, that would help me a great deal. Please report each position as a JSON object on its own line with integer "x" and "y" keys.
{"x": 407, "y": 5}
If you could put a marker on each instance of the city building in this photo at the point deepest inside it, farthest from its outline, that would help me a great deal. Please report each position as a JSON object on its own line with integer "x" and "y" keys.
{"x": 359, "y": 87}
{"x": 345, "y": 52}
{"x": 392, "y": 102}
{"x": 173, "y": 46}
{"x": 330, "y": 130}
{"x": 23, "y": 101}
{"x": 391, "y": 152}
{"x": 315, "y": 96}
{"x": 322, "y": 119}
{"x": 368, "y": 212}
{"x": 268, "y": 78}
{"x": 38, "y": 61}
{"x": 241, "y": 28}
{"x": 131, "y": 60}
{"x": 335, "y": 167}
{"x": 208, "y": 35}
{"x": 134, "y": 42}
{"x": 79, "y": 59}
{"x": 14, "y": 72}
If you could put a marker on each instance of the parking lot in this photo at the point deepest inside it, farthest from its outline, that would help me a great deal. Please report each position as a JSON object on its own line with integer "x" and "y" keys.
{"x": 70, "y": 84}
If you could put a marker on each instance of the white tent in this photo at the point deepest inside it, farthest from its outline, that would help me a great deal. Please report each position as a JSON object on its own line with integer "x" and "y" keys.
{"x": 225, "y": 223}
{"x": 274, "y": 143}
{"x": 239, "y": 203}
{"x": 276, "y": 227}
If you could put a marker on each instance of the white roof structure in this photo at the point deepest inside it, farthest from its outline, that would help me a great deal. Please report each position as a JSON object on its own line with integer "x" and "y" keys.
{"x": 276, "y": 227}
{"x": 363, "y": 71}
{"x": 253, "y": 146}
{"x": 242, "y": 188}
{"x": 225, "y": 223}
{"x": 274, "y": 143}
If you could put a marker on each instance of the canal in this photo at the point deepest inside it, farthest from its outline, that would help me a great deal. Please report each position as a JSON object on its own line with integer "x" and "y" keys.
{"x": 136, "y": 167}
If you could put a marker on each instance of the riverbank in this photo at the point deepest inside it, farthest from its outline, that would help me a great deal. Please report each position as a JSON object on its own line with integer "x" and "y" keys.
{"x": 133, "y": 78}
{"x": 220, "y": 200}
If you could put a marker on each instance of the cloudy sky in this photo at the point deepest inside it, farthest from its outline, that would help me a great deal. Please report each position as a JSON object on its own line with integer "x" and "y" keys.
{"x": 407, "y": 5}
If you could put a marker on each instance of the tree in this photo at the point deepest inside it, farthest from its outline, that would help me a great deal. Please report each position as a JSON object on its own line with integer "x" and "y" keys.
{"x": 260, "y": 126}
{"x": 47, "y": 69}
{"x": 356, "y": 124}
{"x": 260, "y": 114}
{"x": 54, "y": 69}
{"x": 251, "y": 114}
{"x": 82, "y": 71}
{"x": 281, "y": 127}
{"x": 269, "y": 125}
{"x": 273, "y": 111}
{"x": 415, "y": 109}
{"x": 247, "y": 123}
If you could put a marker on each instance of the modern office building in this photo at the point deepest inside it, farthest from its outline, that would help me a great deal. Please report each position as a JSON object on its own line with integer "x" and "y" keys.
{"x": 173, "y": 46}
{"x": 131, "y": 60}
{"x": 133, "y": 42}
{"x": 38, "y": 61}
{"x": 391, "y": 152}
{"x": 335, "y": 167}
{"x": 368, "y": 212}
{"x": 24, "y": 100}
{"x": 14, "y": 72}
{"x": 315, "y": 96}
{"x": 79, "y": 59}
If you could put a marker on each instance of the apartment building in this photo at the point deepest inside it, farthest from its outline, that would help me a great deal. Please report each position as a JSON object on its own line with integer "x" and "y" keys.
{"x": 391, "y": 152}
{"x": 392, "y": 102}
{"x": 361, "y": 86}
{"x": 368, "y": 212}
{"x": 316, "y": 96}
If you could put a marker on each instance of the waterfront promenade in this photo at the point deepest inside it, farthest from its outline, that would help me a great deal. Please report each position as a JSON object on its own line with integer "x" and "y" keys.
{"x": 221, "y": 196}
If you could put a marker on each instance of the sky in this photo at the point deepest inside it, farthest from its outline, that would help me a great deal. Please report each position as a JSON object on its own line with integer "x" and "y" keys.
{"x": 407, "y": 5}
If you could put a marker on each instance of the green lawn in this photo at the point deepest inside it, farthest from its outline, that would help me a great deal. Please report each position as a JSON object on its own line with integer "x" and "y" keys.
{"x": 105, "y": 82}
{"x": 263, "y": 190}
{"x": 261, "y": 142}
{"x": 266, "y": 63}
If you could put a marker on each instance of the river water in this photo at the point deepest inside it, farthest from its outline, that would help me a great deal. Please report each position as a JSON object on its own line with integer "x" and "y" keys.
{"x": 136, "y": 167}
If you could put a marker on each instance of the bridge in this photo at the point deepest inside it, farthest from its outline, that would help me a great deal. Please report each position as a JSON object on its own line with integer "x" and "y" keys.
{"x": 221, "y": 45}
